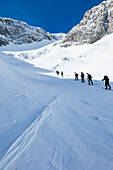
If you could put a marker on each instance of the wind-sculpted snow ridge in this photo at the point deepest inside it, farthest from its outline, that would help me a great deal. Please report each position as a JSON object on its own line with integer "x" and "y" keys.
{"x": 26, "y": 138}
{"x": 19, "y": 32}
{"x": 96, "y": 23}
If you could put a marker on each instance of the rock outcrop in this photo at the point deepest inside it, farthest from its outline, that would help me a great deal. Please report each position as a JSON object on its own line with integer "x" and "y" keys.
{"x": 19, "y": 32}
{"x": 96, "y": 23}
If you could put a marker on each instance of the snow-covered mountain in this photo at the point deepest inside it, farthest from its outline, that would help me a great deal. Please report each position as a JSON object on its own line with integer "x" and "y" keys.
{"x": 96, "y": 23}
{"x": 95, "y": 58}
{"x": 18, "y": 32}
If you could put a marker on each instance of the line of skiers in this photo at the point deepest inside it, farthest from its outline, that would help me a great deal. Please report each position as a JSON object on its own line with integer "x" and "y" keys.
{"x": 89, "y": 77}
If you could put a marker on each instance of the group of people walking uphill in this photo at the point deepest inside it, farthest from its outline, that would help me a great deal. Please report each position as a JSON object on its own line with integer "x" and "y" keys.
{"x": 57, "y": 72}
{"x": 89, "y": 77}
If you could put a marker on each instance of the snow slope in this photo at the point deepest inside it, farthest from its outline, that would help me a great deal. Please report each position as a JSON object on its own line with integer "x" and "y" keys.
{"x": 96, "y": 58}
{"x": 51, "y": 123}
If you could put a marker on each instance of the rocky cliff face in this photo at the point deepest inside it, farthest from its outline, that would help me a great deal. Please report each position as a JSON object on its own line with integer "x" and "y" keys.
{"x": 19, "y": 32}
{"x": 96, "y": 23}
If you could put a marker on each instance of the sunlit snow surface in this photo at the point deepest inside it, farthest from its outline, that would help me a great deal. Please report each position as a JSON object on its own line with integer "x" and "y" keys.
{"x": 53, "y": 123}
{"x": 96, "y": 58}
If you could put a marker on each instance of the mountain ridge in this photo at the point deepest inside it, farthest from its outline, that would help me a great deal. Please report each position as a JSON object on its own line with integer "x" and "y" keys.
{"x": 19, "y": 32}
{"x": 96, "y": 23}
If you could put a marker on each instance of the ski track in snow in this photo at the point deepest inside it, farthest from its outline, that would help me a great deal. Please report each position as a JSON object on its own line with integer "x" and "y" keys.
{"x": 26, "y": 138}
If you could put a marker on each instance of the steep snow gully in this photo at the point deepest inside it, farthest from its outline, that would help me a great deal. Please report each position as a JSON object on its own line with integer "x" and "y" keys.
{"x": 52, "y": 123}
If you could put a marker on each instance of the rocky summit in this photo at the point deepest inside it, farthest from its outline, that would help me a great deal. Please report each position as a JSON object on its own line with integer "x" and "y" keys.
{"x": 19, "y": 32}
{"x": 96, "y": 23}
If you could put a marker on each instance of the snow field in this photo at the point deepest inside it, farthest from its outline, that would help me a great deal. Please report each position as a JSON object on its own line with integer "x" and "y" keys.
{"x": 95, "y": 59}
{"x": 47, "y": 122}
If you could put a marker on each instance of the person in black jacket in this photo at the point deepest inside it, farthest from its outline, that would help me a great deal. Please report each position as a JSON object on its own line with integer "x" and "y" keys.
{"x": 82, "y": 77}
{"x": 106, "y": 82}
{"x": 76, "y": 76}
{"x": 62, "y": 73}
{"x": 57, "y": 72}
{"x": 89, "y": 77}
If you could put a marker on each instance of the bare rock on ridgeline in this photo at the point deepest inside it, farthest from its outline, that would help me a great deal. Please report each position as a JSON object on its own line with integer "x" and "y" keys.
{"x": 96, "y": 23}
{"x": 19, "y": 32}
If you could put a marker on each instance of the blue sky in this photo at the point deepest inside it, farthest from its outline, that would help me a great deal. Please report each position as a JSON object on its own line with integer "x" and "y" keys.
{"x": 52, "y": 15}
